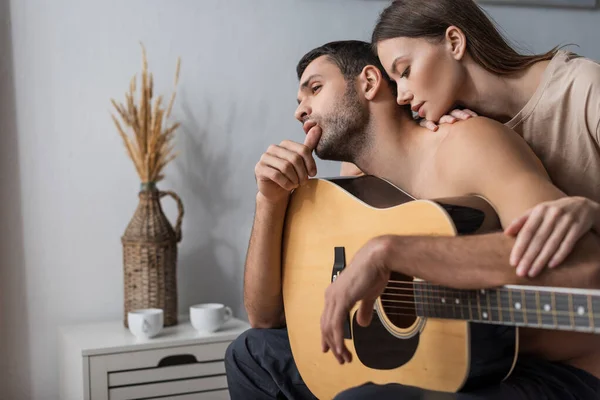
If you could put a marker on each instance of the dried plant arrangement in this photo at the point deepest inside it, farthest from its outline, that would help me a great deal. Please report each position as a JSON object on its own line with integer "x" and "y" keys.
{"x": 150, "y": 241}
{"x": 150, "y": 147}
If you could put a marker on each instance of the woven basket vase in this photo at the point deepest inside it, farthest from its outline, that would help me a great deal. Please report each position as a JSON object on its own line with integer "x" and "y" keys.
{"x": 150, "y": 256}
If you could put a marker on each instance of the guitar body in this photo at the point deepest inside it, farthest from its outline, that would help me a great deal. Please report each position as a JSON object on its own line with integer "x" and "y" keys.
{"x": 327, "y": 222}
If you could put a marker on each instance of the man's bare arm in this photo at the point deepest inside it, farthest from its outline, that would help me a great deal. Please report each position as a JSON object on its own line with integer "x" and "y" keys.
{"x": 485, "y": 158}
{"x": 281, "y": 169}
{"x": 481, "y": 261}
{"x": 262, "y": 273}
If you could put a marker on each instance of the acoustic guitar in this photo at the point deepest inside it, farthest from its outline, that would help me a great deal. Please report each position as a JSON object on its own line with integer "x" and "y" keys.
{"x": 422, "y": 334}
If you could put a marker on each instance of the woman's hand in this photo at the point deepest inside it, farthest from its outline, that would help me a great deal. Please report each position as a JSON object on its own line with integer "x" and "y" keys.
{"x": 547, "y": 233}
{"x": 454, "y": 116}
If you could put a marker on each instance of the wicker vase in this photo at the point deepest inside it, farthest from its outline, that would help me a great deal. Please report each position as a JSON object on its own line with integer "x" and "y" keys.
{"x": 150, "y": 256}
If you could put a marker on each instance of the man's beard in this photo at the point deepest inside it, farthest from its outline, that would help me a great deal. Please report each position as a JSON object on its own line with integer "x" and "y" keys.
{"x": 345, "y": 130}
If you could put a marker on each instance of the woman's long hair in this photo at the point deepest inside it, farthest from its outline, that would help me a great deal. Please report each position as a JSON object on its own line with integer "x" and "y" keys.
{"x": 430, "y": 19}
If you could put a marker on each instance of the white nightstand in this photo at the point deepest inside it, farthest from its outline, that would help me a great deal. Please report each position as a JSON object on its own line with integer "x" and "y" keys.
{"x": 105, "y": 361}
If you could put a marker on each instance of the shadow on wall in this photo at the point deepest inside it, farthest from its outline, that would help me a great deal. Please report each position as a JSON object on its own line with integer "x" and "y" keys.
{"x": 14, "y": 333}
{"x": 209, "y": 262}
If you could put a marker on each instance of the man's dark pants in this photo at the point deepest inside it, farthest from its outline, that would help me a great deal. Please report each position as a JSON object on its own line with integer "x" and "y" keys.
{"x": 260, "y": 365}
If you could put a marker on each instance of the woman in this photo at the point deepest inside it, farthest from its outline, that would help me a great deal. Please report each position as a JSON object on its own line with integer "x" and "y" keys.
{"x": 445, "y": 54}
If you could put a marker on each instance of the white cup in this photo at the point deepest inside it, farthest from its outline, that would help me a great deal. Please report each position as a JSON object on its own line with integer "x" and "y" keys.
{"x": 145, "y": 323}
{"x": 209, "y": 317}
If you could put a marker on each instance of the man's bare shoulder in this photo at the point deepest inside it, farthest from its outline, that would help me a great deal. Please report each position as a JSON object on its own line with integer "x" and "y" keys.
{"x": 481, "y": 142}
{"x": 482, "y": 157}
{"x": 477, "y": 134}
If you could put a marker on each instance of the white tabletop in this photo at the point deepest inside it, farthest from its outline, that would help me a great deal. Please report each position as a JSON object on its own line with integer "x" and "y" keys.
{"x": 112, "y": 336}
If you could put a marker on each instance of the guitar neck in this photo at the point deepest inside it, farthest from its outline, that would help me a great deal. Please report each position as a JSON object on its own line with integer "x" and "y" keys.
{"x": 529, "y": 306}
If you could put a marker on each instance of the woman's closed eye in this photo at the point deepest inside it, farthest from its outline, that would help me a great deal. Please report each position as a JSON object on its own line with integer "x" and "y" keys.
{"x": 405, "y": 73}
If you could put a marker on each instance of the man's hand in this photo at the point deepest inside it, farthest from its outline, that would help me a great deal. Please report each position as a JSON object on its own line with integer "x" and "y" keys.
{"x": 455, "y": 115}
{"x": 364, "y": 279}
{"x": 547, "y": 233}
{"x": 283, "y": 168}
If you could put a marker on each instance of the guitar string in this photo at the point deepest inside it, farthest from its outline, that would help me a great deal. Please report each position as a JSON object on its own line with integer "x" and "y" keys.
{"x": 411, "y": 286}
{"x": 461, "y": 306}
{"x": 449, "y": 304}
{"x": 586, "y": 328}
{"x": 459, "y": 292}
{"x": 447, "y": 307}
{"x": 430, "y": 292}
{"x": 501, "y": 288}
{"x": 594, "y": 328}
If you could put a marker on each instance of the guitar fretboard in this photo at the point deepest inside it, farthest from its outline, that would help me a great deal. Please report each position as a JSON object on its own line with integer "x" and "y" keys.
{"x": 554, "y": 308}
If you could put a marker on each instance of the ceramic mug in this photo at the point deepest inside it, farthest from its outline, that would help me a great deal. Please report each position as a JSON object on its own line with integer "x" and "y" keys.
{"x": 209, "y": 317}
{"x": 145, "y": 323}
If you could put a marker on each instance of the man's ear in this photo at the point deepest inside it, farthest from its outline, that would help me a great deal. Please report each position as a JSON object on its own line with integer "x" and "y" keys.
{"x": 456, "y": 42}
{"x": 370, "y": 81}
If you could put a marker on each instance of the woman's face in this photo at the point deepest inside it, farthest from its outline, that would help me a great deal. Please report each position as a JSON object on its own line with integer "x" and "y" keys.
{"x": 428, "y": 73}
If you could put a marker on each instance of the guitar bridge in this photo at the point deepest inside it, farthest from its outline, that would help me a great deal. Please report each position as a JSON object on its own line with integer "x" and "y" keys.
{"x": 339, "y": 263}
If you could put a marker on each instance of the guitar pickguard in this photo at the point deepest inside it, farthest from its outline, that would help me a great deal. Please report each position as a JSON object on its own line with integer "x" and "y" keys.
{"x": 378, "y": 349}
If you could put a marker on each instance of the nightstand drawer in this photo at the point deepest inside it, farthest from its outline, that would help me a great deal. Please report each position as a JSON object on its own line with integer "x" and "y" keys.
{"x": 186, "y": 386}
{"x": 154, "y": 358}
{"x": 166, "y": 373}
{"x": 158, "y": 372}
{"x": 212, "y": 395}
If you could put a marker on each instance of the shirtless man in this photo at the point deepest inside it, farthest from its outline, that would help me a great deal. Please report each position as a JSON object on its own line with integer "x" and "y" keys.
{"x": 349, "y": 114}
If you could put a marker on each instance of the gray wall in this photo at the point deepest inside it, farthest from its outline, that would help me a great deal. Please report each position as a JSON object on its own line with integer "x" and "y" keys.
{"x": 68, "y": 189}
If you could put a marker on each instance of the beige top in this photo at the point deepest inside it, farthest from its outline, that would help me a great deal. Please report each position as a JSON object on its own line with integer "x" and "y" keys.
{"x": 561, "y": 123}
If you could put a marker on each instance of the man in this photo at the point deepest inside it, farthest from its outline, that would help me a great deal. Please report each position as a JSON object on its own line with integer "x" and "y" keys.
{"x": 349, "y": 114}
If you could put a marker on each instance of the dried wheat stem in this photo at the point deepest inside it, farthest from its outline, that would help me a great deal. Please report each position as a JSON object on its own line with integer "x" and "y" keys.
{"x": 150, "y": 147}
{"x": 128, "y": 146}
{"x": 155, "y": 111}
{"x": 172, "y": 100}
{"x": 132, "y": 85}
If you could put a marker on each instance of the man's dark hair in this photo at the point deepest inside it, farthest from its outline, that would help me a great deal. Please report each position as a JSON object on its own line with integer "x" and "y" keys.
{"x": 351, "y": 57}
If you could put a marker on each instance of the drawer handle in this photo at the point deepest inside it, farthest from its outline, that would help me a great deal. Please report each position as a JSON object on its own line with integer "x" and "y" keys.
{"x": 180, "y": 359}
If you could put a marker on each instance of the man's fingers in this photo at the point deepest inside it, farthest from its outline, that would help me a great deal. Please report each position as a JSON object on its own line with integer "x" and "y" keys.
{"x": 304, "y": 153}
{"x": 324, "y": 344}
{"x": 296, "y": 154}
{"x": 332, "y": 327}
{"x": 295, "y": 159}
{"x": 346, "y": 354}
{"x": 328, "y": 325}
{"x": 281, "y": 165}
{"x": 365, "y": 312}
{"x": 312, "y": 138}
{"x": 470, "y": 112}
{"x": 332, "y": 342}
{"x": 337, "y": 334}
{"x": 266, "y": 172}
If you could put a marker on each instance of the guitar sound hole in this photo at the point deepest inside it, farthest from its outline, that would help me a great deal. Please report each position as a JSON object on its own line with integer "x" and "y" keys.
{"x": 398, "y": 301}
